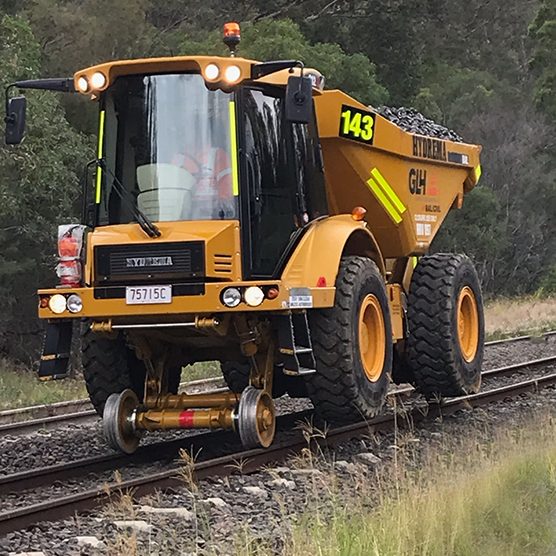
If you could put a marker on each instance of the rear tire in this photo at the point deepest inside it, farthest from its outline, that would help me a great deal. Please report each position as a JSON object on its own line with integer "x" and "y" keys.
{"x": 352, "y": 343}
{"x": 110, "y": 367}
{"x": 446, "y": 326}
{"x": 236, "y": 376}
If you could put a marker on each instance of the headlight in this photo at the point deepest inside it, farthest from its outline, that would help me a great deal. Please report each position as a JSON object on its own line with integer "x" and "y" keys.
{"x": 212, "y": 71}
{"x": 232, "y": 74}
{"x": 231, "y": 297}
{"x": 57, "y": 303}
{"x": 98, "y": 80}
{"x": 82, "y": 84}
{"x": 74, "y": 303}
{"x": 253, "y": 296}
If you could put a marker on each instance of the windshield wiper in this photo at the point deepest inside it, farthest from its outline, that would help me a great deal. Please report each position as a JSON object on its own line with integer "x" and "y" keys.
{"x": 147, "y": 225}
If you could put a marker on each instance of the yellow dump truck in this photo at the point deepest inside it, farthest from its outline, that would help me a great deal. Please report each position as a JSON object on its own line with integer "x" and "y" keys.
{"x": 241, "y": 212}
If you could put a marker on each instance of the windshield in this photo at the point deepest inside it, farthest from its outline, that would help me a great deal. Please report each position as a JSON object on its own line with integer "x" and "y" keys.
{"x": 167, "y": 140}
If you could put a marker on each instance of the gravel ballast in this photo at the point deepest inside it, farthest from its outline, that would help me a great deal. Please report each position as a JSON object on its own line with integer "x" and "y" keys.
{"x": 413, "y": 121}
{"x": 266, "y": 503}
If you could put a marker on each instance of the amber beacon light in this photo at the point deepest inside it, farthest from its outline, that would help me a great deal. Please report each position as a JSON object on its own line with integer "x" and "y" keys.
{"x": 232, "y": 36}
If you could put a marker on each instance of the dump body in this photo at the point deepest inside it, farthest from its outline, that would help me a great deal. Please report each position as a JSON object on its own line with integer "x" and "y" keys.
{"x": 406, "y": 182}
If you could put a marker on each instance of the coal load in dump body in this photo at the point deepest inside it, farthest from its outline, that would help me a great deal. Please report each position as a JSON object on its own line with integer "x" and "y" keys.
{"x": 411, "y": 120}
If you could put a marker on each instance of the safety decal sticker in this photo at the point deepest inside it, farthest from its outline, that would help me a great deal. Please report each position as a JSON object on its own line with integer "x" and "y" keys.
{"x": 423, "y": 229}
{"x": 458, "y": 158}
{"x": 300, "y": 298}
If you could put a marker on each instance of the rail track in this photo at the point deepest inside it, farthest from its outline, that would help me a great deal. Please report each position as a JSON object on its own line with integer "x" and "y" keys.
{"x": 26, "y": 420}
{"x": 290, "y": 440}
{"x": 49, "y": 416}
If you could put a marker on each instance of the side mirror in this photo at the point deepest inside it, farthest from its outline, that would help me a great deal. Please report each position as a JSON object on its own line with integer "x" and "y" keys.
{"x": 15, "y": 120}
{"x": 299, "y": 100}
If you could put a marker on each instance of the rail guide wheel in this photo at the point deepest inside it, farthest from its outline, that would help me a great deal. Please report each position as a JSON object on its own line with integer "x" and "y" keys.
{"x": 118, "y": 421}
{"x": 256, "y": 418}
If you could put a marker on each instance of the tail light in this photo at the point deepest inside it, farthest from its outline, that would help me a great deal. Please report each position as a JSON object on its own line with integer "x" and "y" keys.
{"x": 70, "y": 246}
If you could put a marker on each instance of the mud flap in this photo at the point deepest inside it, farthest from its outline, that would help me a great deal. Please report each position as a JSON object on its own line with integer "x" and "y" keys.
{"x": 56, "y": 351}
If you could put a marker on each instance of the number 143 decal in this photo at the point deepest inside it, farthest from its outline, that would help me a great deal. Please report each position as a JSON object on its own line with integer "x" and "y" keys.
{"x": 357, "y": 124}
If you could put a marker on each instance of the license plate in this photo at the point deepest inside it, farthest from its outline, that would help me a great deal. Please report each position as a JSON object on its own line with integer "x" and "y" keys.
{"x": 138, "y": 295}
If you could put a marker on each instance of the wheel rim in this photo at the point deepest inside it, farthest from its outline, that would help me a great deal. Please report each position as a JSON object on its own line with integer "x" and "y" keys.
{"x": 468, "y": 323}
{"x": 266, "y": 420}
{"x": 117, "y": 421}
{"x": 257, "y": 420}
{"x": 372, "y": 337}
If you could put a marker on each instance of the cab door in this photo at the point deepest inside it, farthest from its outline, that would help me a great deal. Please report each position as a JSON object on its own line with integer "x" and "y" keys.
{"x": 270, "y": 213}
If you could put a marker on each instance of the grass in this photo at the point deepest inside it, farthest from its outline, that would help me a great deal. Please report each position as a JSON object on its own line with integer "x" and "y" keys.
{"x": 20, "y": 388}
{"x": 498, "y": 498}
{"x": 506, "y": 317}
{"x": 197, "y": 371}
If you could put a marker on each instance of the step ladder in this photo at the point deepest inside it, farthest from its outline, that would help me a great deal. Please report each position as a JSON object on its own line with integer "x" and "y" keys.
{"x": 295, "y": 345}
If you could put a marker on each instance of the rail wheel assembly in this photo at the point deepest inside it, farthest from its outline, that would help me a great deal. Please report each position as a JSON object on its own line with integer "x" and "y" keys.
{"x": 444, "y": 350}
{"x": 352, "y": 343}
{"x": 251, "y": 414}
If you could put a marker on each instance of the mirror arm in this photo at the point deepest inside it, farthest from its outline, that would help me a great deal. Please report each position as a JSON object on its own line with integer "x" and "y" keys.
{"x": 56, "y": 84}
{"x": 267, "y": 68}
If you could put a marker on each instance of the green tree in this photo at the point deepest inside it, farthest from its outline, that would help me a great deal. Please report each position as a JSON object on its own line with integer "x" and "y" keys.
{"x": 543, "y": 32}
{"x": 38, "y": 190}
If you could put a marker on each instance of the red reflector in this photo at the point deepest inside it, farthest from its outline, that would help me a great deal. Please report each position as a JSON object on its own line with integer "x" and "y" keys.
{"x": 44, "y": 302}
{"x": 272, "y": 293}
{"x": 321, "y": 282}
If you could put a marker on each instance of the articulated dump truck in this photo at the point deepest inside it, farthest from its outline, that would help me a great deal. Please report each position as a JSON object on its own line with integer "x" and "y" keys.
{"x": 237, "y": 211}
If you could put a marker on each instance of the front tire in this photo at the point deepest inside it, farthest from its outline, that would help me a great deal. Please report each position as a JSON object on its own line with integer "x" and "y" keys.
{"x": 446, "y": 326}
{"x": 352, "y": 343}
{"x": 110, "y": 367}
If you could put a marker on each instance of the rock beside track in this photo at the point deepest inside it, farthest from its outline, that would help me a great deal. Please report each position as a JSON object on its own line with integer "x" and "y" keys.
{"x": 413, "y": 121}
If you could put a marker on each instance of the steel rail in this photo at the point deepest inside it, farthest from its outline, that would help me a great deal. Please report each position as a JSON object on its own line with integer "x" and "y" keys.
{"x": 520, "y": 338}
{"x": 45, "y": 423}
{"x": 252, "y": 460}
{"x": 9, "y": 416}
{"x": 496, "y": 372}
{"x": 51, "y": 415}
